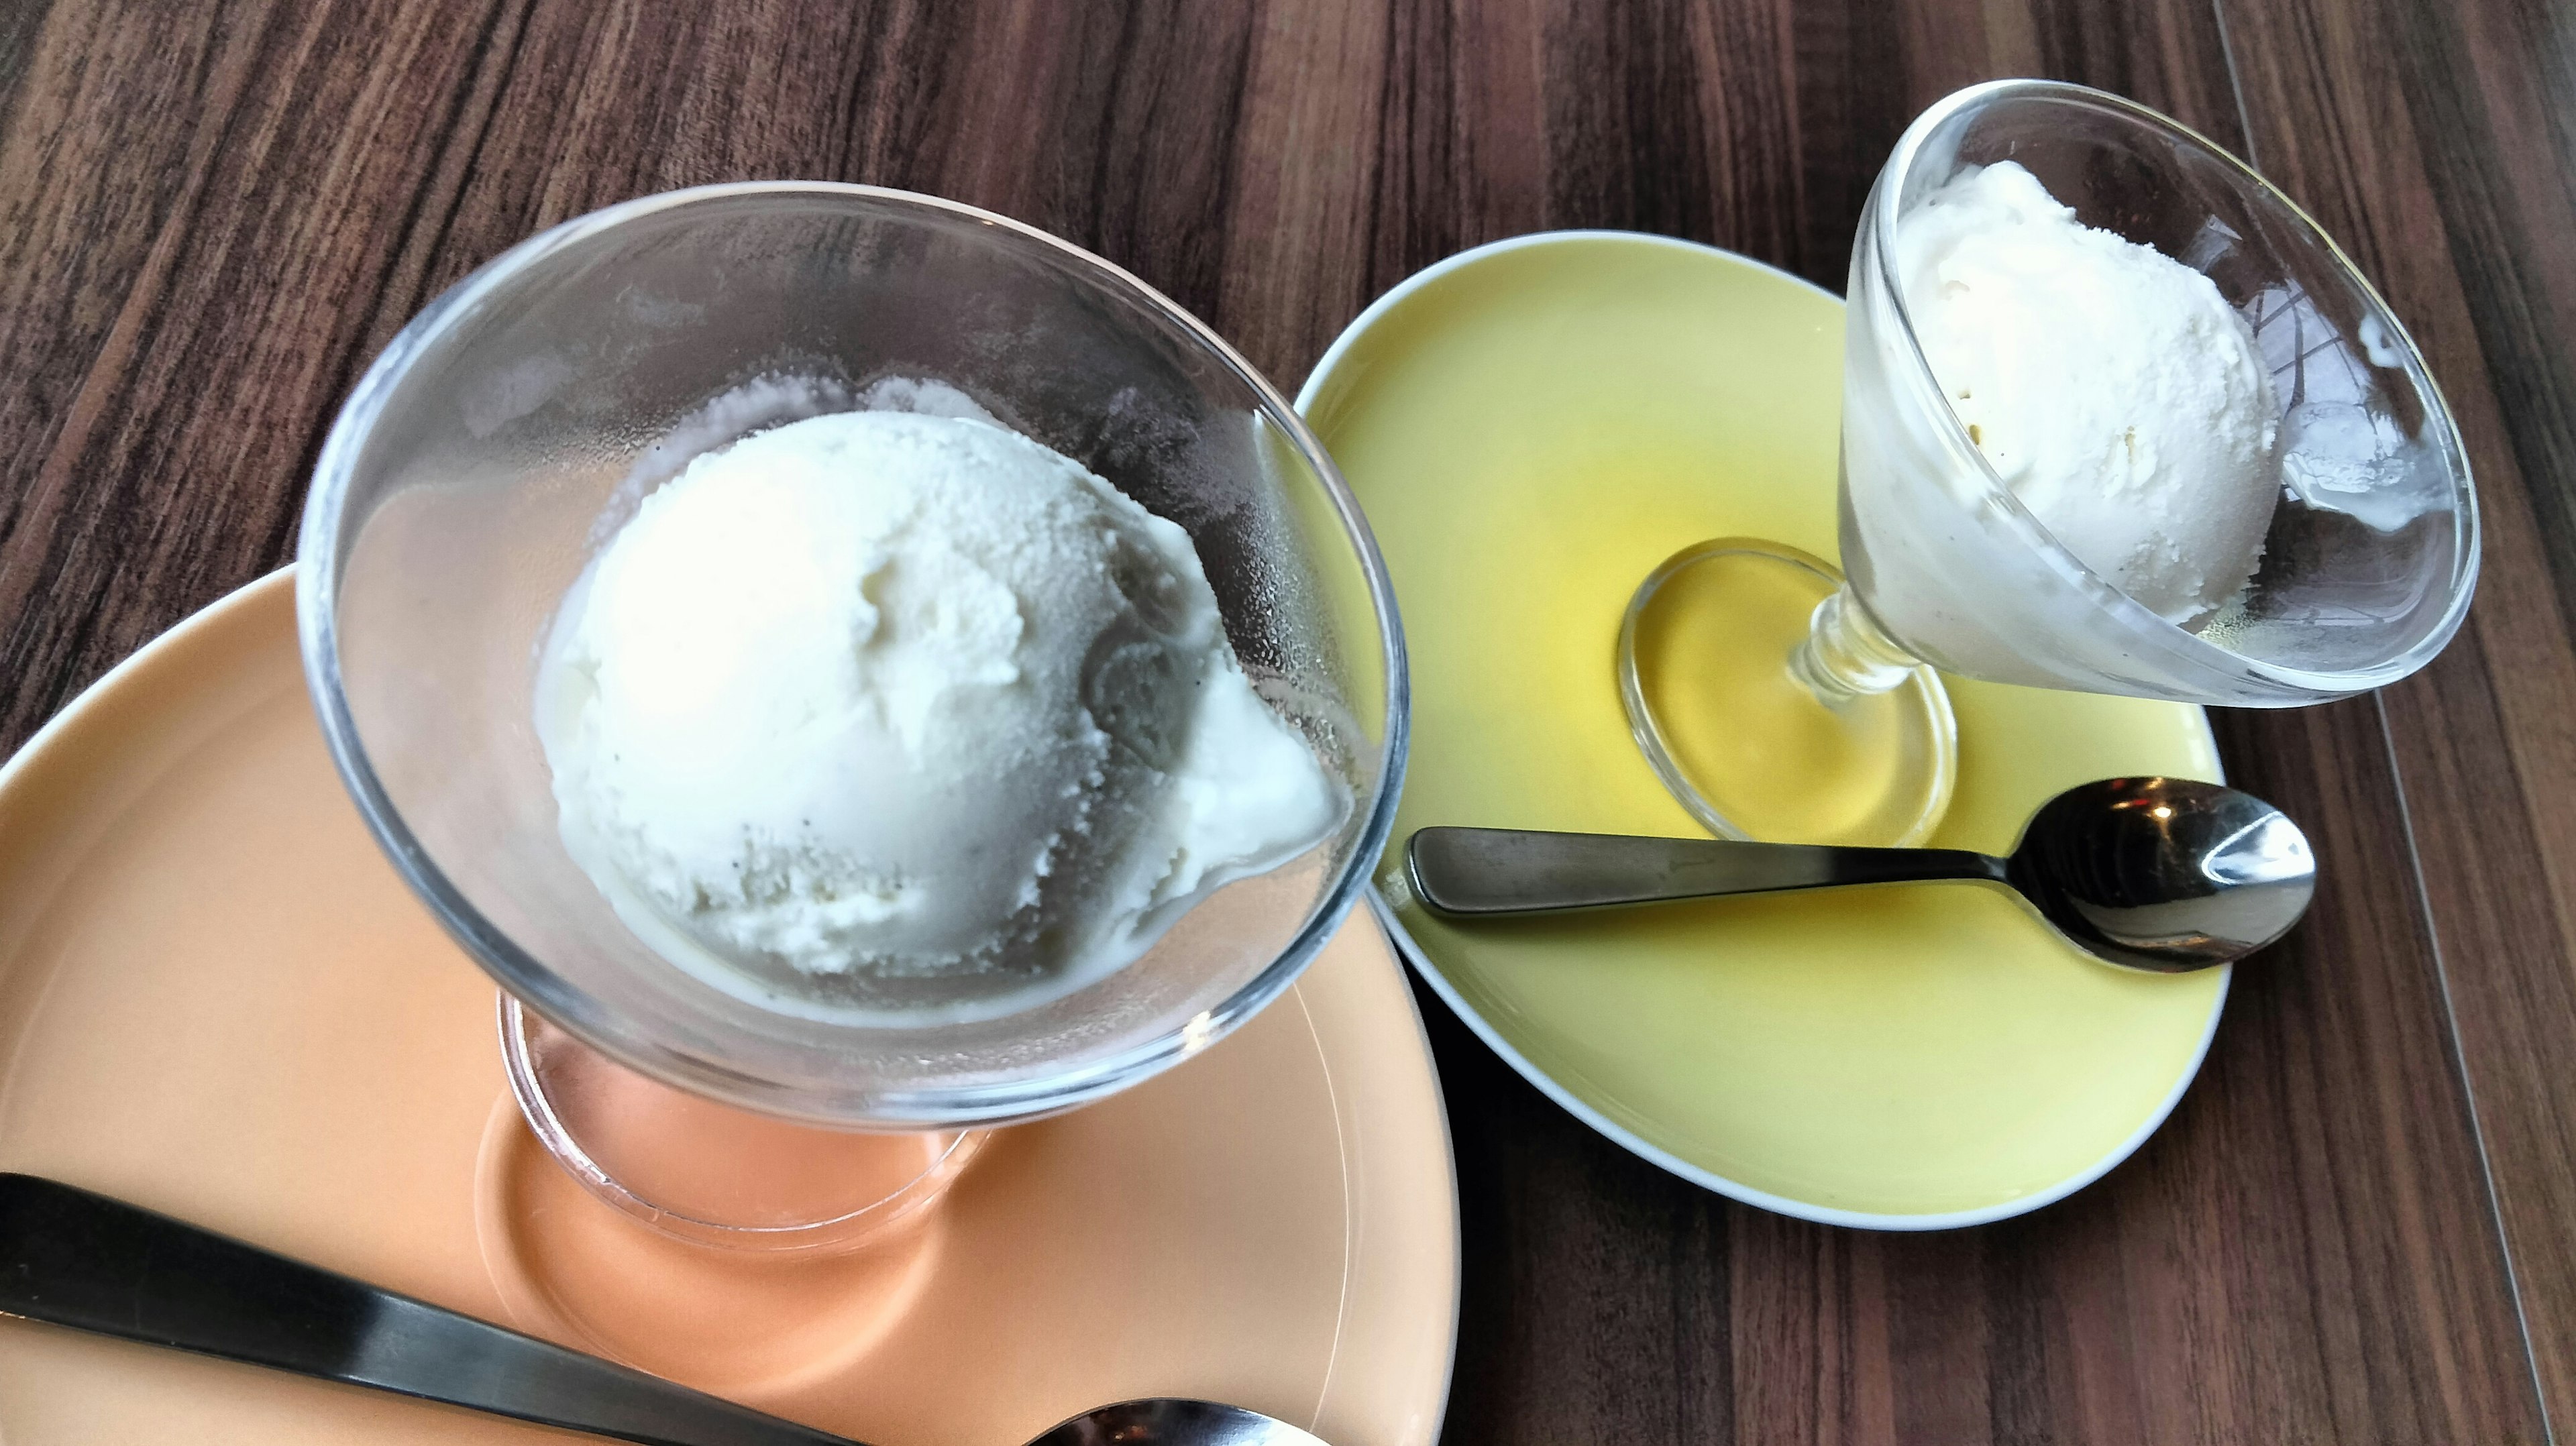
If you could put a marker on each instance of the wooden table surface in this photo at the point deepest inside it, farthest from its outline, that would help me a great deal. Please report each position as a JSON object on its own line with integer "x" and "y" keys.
{"x": 2361, "y": 1223}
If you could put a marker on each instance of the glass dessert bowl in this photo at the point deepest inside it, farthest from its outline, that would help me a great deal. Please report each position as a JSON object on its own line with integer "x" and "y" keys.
{"x": 508, "y": 434}
{"x": 2366, "y": 565}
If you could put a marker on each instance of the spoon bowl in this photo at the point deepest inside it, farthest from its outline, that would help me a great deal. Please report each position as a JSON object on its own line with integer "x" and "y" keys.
{"x": 2164, "y": 874}
{"x": 1174, "y": 1421}
{"x": 2167, "y": 875}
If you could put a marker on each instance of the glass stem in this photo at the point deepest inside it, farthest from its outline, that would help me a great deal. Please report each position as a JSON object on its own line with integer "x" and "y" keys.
{"x": 1845, "y": 655}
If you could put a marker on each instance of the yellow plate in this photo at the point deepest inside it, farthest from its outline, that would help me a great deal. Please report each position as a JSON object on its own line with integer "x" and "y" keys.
{"x": 1532, "y": 426}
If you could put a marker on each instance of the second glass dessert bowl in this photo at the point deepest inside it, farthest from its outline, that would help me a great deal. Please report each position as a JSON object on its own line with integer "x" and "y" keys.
{"x": 2365, "y": 573}
{"x": 509, "y": 431}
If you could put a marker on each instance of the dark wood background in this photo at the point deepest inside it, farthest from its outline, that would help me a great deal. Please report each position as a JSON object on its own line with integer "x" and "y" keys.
{"x": 2361, "y": 1224}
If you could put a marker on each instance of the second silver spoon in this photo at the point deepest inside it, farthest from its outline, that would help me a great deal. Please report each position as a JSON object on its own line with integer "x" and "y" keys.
{"x": 2163, "y": 874}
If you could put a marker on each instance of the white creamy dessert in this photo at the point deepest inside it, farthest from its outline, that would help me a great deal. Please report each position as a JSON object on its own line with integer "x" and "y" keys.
{"x": 910, "y": 696}
{"x": 2112, "y": 388}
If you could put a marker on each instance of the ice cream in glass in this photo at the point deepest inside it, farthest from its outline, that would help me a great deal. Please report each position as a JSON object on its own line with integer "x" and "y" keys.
{"x": 904, "y": 716}
{"x": 846, "y": 658}
{"x": 2117, "y": 417}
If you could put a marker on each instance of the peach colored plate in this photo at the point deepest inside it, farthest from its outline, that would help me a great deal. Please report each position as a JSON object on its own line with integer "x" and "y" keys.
{"x": 216, "y": 1000}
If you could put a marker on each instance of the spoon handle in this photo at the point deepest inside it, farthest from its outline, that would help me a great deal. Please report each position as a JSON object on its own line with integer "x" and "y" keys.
{"x": 77, "y": 1259}
{"x": 1477, "y": 871}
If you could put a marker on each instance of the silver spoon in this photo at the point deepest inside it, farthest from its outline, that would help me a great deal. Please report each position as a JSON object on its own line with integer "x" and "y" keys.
{"x": 73, "y": 1258}
{"x": 2148, "y": 873}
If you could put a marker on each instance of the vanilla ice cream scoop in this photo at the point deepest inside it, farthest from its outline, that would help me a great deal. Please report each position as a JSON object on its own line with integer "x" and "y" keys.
{"x": 2112, "y": 388}
{"x": 882, "y": 696}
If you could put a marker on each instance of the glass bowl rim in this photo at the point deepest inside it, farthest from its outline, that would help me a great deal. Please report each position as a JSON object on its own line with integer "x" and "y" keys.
{"x": 2134, "y": 615}
{"x": 317, "y": 586}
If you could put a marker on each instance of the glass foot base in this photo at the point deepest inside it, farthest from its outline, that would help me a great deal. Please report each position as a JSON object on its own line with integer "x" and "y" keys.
{"x": 710, "y": 1174}
{"x": 1747, "y": 748}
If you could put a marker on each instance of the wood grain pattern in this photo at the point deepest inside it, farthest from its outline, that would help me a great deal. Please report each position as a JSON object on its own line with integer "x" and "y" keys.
{"x": 2440, "y": 143}
{"x": 211, "y": 218}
